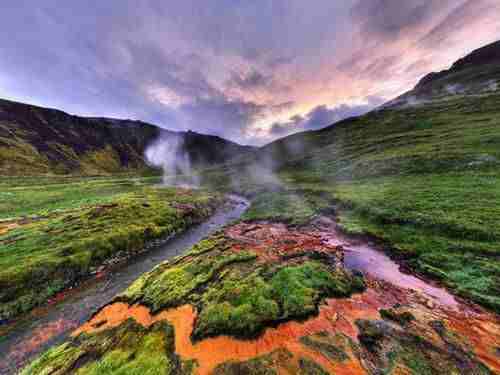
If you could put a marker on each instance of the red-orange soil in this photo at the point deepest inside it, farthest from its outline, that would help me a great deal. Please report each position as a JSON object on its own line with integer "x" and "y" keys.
{"x": 336, "y": 316}
{"x": 5, "y": 227}
{"x": 276, "y": 242}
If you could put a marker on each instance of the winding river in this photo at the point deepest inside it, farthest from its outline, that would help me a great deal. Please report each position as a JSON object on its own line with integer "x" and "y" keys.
{"x": 51, "y": 324}
{"x": 46, "y": 326}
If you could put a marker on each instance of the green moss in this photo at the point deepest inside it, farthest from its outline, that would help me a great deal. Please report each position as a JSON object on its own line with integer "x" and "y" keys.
{"x": 170, "y": 285}
{"x": 309, "y": 367}
{"x": 55, "y": 361}
{"x": 68, "y": 240}
{"x": 298, "y": 288}
{"x": 268, "y": 364}
{"x": 239, "y": 305}
{"x": 333, "y": 347}
{"x": 243, "y": 304}
{"x": 148, "y": 357}
{"x": 403, "y": 318}
{"x": 126, "y": 349}
{"x": 390, "y": 347}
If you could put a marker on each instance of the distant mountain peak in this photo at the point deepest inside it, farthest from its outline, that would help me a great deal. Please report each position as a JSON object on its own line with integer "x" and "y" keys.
{"x": 478, "y": 73}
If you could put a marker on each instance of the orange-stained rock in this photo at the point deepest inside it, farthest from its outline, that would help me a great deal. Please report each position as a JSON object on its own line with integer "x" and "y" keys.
{"x": 276, "y": 241}
{"x": 336, "y": 316}
{"x": 5, "y": 227}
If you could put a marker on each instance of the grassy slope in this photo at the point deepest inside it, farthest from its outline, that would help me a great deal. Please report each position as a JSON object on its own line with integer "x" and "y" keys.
{"x": 65, "y": 228}
{"x": 425, "y": 179}
{"x": 36, "y": 141}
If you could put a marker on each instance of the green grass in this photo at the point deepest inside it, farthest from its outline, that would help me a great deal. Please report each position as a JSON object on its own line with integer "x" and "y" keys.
{"x": 127, "y": 349}
{"x": 426, "y": 180}
{"x": 279, "y": 206}
{"x": 39, "y": 196}
{"x": 443, "y": 225}
{"x": 67, "y": 230}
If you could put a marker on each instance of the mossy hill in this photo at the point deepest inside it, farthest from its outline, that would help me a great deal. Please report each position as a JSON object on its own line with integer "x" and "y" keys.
{"x": 36, "y": 140}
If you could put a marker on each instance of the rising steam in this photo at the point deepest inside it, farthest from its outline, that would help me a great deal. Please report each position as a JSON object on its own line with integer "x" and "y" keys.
{"x": 168, "y": 152}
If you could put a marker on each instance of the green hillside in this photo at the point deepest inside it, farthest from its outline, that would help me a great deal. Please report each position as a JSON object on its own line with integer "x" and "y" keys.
{"x": 423, "y": 178}
{"x": 37, "y": 141}
{"x": 426, "y": 180}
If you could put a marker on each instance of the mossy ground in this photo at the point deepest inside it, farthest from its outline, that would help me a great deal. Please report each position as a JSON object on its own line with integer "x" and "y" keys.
{"x": 389, "y": 350}
{"x": 235, "y": 294}
{"x": 127, "y": 349}
{"x": 424, "y": 179}
{"x": 67, "y": 228}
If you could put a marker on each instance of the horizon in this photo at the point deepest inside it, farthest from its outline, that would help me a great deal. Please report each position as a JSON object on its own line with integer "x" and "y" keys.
{"x": 184, "y": 67}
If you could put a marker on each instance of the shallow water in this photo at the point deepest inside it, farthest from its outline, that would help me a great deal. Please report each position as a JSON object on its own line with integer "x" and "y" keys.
{"x": 367, "y": 258}
{"x": 52, "y": 324}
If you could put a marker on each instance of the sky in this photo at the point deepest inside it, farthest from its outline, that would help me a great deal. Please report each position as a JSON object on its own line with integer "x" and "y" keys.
{"x": 247, "y": 70}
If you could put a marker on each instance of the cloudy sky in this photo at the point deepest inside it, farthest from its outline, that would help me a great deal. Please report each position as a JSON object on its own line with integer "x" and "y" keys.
{"x": 248, "y": 70}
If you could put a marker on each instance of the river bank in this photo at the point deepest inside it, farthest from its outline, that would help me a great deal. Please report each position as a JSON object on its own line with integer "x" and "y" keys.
{"x": 270, "y": 296}
{"x": 51, "y": 324}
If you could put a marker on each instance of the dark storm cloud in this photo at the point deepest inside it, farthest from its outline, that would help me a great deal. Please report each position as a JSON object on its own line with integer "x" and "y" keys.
{"x": 322, "y": 116}
{"x": 249, "y": 81}
{"x": 387, "y": 18}
{"x": 229, "y": 67}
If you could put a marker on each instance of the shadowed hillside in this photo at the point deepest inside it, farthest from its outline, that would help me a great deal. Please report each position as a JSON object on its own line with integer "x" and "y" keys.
{"x": 35, "y": 140}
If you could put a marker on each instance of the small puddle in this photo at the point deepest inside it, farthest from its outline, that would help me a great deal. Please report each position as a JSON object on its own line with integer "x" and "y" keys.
{"x": 50, "y": 325}
{"x": 365, "y": 258}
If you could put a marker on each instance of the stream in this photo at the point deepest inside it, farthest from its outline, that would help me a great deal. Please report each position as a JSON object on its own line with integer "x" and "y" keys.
{"x": 50, "y": 325}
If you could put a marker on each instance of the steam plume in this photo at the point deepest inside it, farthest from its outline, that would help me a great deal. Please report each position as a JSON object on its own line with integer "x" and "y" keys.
{"x": 168, "y": 152}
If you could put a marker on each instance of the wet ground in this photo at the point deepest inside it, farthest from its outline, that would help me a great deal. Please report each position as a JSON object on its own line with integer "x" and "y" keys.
{"x": 387, "y": 288}
{"x": 24, "y": 339}
{"x": 473, "y": 328}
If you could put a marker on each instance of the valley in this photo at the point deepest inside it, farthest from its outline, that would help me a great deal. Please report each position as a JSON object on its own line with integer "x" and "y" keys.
{"x": 367, "y": 247}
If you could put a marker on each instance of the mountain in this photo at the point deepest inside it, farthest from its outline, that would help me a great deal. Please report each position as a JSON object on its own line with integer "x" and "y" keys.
{"x": 478, "y": 73}
{"x": 423, "y": 177}
{"x": 36, "y": 140}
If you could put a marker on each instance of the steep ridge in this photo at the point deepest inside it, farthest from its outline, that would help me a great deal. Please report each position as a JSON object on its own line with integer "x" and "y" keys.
{"x": 421, "y": 177}
{"x": 36, "y": 140}
{"x": 478, "y": 73}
